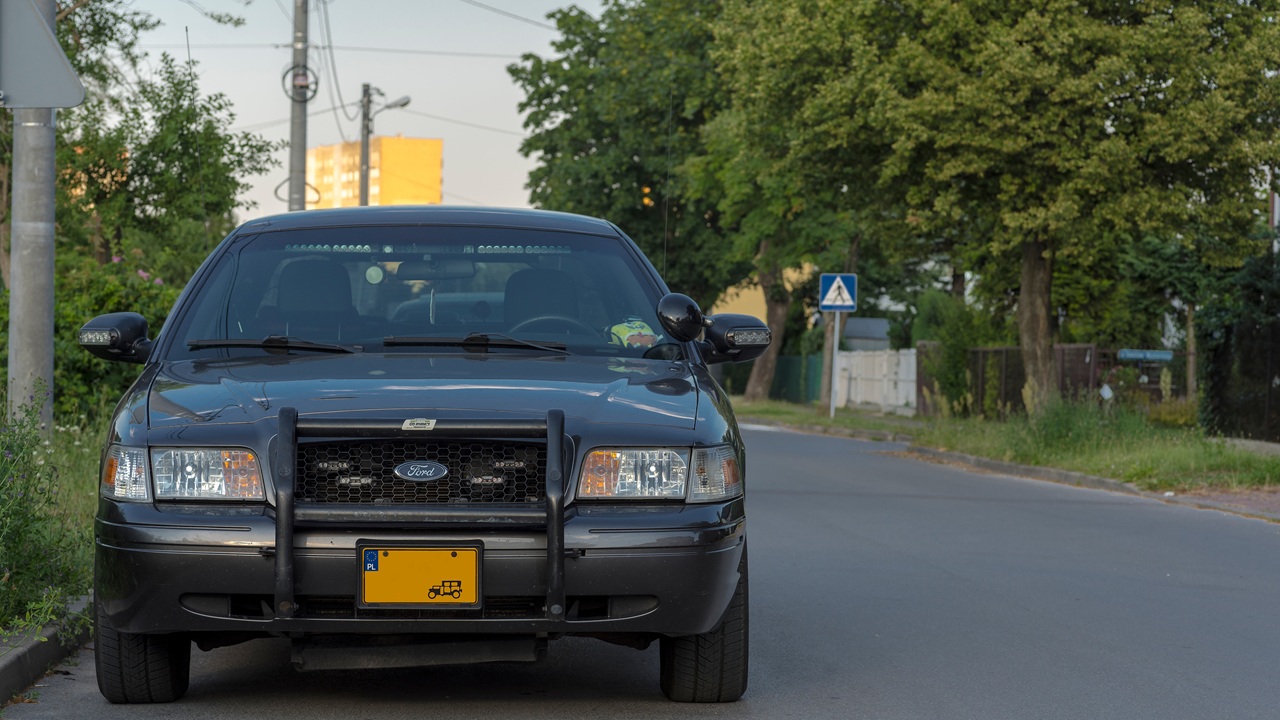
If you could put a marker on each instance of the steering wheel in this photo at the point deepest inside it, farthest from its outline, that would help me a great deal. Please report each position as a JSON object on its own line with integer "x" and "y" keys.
{"x": 553, "y": 323}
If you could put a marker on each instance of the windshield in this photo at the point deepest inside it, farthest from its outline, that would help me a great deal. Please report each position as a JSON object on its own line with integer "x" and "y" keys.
{"x": 425, "y": 289}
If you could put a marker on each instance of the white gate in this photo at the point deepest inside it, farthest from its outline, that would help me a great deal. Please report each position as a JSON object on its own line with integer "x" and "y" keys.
{"x": 878, "y": 378}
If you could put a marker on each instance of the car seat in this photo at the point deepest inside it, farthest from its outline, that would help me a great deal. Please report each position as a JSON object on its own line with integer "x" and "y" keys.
{"x": 537, "y": 292}
{"x": 313, "y": 302}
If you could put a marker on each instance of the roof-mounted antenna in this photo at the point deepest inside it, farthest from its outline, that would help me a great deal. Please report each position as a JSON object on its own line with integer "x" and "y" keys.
{"x": 195, "y": 98}
{"x": 666, "y": 187}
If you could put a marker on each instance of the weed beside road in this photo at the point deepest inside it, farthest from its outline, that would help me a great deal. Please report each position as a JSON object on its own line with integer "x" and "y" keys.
{"x": 1118, "y": 442}
{"x": 48, "y": 492}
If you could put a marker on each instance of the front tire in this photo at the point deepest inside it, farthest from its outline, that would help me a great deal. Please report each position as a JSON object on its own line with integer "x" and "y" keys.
{"x": 140, "y": 668}
{"x": 712, "y": 666}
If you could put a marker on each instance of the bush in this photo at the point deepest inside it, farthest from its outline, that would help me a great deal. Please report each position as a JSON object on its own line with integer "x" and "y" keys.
{"x": 1177, "y": 413}
{"x": 957, "y": 327}
{"x": 83, "y": 290}
{"x": 42, "y": 563}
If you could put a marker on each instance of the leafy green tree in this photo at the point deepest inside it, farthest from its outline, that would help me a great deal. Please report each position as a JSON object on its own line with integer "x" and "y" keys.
{"x": 148, "y": 178}
{"x": 612, "y": 113}
{"x": 162, "y": 176}
{"x": 1046, "y": 130}
{"x": 777, "y": 220}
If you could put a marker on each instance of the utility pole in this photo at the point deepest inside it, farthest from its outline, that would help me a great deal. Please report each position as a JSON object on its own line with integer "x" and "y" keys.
{"x": 31, "y": 253}
{"x": 300, "y": 82}
{"x": 366, "y": 129}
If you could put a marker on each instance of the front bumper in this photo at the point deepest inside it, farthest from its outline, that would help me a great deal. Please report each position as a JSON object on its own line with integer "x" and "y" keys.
{"x": 653, "y": 569}
{"x": 294, "y": 569}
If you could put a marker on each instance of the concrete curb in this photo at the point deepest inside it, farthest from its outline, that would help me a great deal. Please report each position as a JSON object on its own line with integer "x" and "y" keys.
{"x": 1064, "y": 477}
{"x": 1067, "y": 477}
{"x": 24, "y": 659}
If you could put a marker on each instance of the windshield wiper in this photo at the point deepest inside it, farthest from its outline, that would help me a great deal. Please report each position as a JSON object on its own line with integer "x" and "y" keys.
{"x": 475, "y": 342}
{"x": 274, "y": 343}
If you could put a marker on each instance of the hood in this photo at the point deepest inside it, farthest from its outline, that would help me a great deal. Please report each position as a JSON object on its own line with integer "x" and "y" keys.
{"x": 397, "y": 385}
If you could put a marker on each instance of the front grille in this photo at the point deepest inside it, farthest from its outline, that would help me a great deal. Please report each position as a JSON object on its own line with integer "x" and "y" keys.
{"x": 363, "y": 472}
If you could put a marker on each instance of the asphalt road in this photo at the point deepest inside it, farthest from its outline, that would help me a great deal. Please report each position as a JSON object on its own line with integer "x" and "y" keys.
{"x": 882, "y": 587}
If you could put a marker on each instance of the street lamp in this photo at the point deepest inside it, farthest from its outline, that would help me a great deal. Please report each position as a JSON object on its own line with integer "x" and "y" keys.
{"x": 366, "y": 129}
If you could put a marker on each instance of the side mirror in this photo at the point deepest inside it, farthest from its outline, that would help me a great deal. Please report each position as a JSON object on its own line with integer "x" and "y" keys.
{"x": 681, "y": 317}
{"x": 117, "y": 336}
{"x": 736, "y": 338}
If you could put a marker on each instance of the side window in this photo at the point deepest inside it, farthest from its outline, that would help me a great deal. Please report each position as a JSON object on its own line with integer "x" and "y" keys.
{"x": 220, "y": 315}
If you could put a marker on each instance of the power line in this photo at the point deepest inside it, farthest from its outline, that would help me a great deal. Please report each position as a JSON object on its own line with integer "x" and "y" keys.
{"x": 333, "y": 87}
{"x": 288, "y": 18}
{"x": 345, "y": 48}
{"x": 511, "y": 15}
{"x": 269, "y": 123}
{"x": 464, "y": 198}
{"x": 462, "y": 122}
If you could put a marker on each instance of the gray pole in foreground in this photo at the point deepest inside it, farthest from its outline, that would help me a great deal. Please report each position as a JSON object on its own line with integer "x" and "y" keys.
{"x": 366, "y": 128}
{"x": 299, "y": 81}
{"x": 31, "y": 253}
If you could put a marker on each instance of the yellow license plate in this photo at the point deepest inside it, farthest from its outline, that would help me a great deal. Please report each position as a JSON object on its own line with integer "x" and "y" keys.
{"x": 418, "y": 576}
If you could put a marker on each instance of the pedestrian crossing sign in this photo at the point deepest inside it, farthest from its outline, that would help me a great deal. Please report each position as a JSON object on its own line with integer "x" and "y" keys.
{"x": 838, "y": 291}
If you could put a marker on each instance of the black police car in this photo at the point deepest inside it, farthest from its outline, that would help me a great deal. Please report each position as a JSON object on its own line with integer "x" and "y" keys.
{"x": 419, "y": 436}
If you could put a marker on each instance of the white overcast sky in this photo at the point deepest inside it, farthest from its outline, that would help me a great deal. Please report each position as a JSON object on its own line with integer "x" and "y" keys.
{"x": 482, "y": 165}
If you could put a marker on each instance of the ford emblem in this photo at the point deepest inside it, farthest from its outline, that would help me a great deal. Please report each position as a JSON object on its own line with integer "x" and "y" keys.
{"x": 420, "y": 471}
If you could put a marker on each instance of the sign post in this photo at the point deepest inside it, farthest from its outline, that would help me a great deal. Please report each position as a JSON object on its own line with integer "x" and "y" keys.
{"x": 837, "y": 292}
{"x": 35, "y": 77}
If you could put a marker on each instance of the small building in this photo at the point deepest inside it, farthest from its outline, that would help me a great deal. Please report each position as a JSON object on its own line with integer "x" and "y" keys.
{"x": 864, "y": 333}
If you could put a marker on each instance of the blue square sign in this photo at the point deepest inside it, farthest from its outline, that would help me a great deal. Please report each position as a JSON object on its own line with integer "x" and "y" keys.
{"x": 371, "y": 560}
{"x": 838, "y": 291}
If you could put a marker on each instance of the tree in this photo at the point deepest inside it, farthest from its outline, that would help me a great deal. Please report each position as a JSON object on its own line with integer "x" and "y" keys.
{"x": 163, "y": 177}
{"x": 148, "y": 178}
{"x": 611, "y": 116}
{"x": 1050, "y": 130}
{"x": 776, "y": 219}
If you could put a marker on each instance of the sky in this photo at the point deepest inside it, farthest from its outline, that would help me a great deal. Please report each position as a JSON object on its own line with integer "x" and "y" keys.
{"x": 462, "y": 95}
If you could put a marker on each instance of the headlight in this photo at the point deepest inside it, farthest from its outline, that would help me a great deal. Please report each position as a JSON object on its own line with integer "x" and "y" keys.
{"x": 181, "y": 474}
{"x": 716, "y": 475}
{"x": 206, "y": 474}
{"x": 640, "y": 473}
{"x": 124, "y": 474}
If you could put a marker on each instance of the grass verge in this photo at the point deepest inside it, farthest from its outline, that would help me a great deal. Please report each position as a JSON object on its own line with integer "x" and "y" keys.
{"x": 814, "y": 415}
{"x": 1118, "y": 443}
{"x": 47, "y": 500}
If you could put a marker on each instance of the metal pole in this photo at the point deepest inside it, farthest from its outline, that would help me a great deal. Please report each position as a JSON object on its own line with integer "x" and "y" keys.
{"x": 835, "y": 356}
{"x": 31, "y": 253}
{"x": 366, "y": 129}
{"x": 298, "y": 115}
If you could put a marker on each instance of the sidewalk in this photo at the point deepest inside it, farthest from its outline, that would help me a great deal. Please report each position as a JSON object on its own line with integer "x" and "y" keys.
{"x": 24, "y": 659}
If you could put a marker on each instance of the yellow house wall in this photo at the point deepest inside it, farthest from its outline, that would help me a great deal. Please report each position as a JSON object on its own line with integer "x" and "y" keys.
{"x": 748, "y": 299}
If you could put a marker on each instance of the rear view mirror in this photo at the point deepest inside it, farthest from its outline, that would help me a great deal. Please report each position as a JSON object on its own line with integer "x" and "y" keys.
{"x": 681, "y": 317}
{"x": 445, "y": 269}
{"x": 117, "y": 336}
